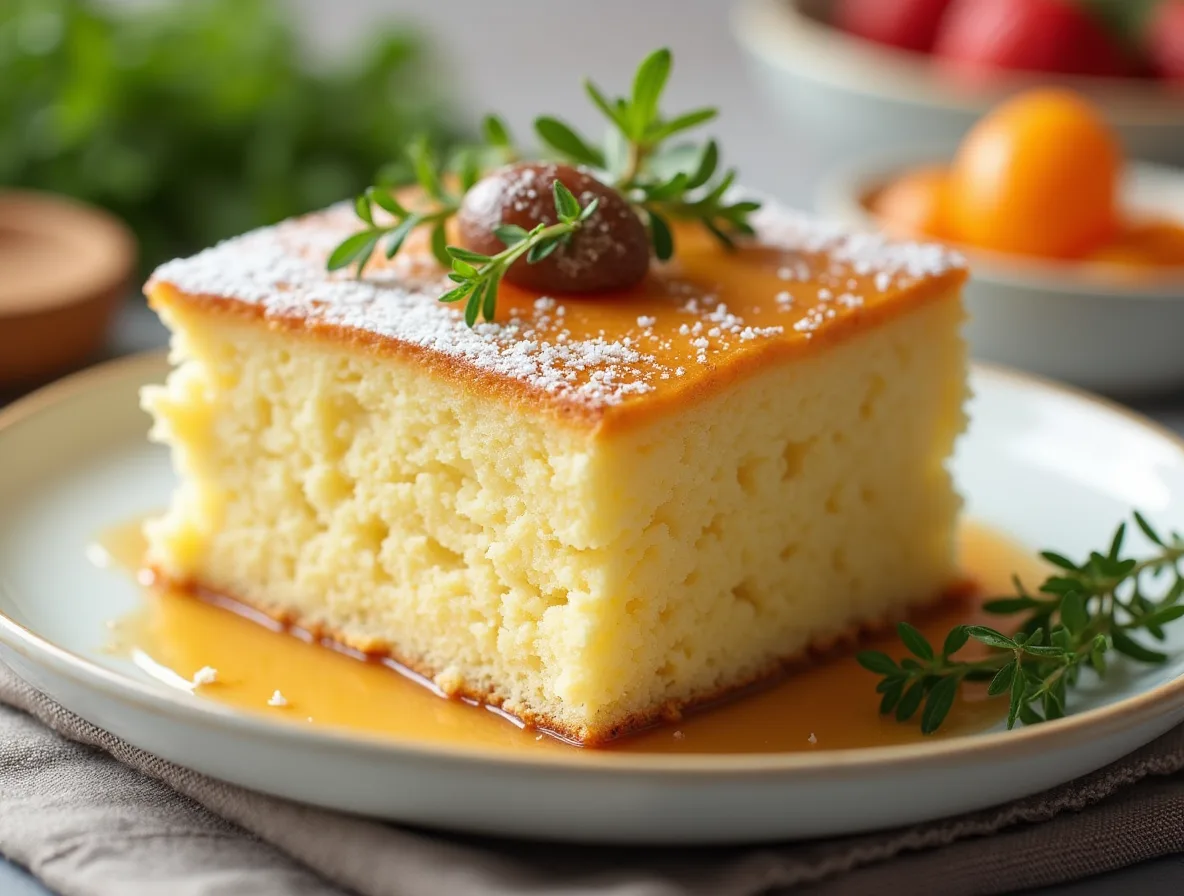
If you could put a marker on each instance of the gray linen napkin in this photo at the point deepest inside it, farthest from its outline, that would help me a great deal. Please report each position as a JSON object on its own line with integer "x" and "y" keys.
{"x": 93, "y": 816}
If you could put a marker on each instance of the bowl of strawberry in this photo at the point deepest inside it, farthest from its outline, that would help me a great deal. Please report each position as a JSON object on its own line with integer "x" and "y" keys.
{"x": 849, "y": 74}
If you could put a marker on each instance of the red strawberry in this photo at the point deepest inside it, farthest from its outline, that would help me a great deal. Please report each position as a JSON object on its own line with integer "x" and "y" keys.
{"x": 908, "y": 24}
{"x": 1028, "y": 35}
{"x": 1164, "y": 37}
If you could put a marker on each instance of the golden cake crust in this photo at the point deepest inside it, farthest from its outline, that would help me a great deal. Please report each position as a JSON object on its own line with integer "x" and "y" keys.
{"x": 602, "y": 362}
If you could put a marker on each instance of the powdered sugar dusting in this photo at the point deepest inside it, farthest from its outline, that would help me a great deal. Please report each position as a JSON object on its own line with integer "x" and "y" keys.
{"x": 205, "y": 675}
{"x": 860, "y": 253}
{"x": 560, "y": 346}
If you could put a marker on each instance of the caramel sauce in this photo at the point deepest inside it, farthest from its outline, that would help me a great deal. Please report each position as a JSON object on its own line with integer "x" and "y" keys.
{"x": 830, "y": 704}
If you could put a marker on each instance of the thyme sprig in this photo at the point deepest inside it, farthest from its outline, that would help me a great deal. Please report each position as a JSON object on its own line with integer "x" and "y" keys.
{"x": 480, "y": 275}
{"x": 660, "y": 182}
{"x": 1070, "y": 623}
{"x": 440, "y": 205}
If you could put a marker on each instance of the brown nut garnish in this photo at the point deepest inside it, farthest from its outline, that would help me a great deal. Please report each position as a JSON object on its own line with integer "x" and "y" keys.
{"x": 610, "y": 251}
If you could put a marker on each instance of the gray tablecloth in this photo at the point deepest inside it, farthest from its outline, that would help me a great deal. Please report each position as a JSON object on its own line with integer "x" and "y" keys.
{"x": 94, "y": 816}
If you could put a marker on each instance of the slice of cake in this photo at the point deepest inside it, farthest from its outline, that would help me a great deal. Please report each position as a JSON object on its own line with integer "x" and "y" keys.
{"x": 596, "y": 510}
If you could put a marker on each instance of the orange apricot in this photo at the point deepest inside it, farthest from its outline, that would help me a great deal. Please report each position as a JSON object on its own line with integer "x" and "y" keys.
{"x": 1037, "y": 176}
{"x": 914, "y": 204}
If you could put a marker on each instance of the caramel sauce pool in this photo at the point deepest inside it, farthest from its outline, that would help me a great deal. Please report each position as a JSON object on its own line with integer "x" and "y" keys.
{"x": 829, "y": 704}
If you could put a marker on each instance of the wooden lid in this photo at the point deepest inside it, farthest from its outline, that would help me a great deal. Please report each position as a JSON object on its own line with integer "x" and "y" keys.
{"x": 64, "y": 266}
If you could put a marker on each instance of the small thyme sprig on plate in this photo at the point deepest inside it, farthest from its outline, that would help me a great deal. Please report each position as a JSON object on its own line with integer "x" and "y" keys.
{"x": 659, "y": 183}
{"x": 1070, "y": 623}
{"x": 480, "y": 275}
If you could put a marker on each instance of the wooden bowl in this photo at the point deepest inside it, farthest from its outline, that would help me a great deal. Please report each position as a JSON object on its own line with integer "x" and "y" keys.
{"x": 64, "y": 267}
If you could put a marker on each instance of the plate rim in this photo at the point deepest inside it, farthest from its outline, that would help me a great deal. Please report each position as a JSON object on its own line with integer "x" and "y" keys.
{"x": 1129, "y": 711}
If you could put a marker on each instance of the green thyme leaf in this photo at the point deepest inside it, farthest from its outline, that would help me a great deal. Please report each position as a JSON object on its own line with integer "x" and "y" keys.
{"x": 495, "y": 132}
{"x": 891, "y": 697}
{"x": 473, "y": 307}
{"x": 1136, "y": 651}
{"x": 510, "y": 234}
{"x": 1097, "y": 654}
{"x": 914, "y": 641}
{"x": 362, "y": 210}
{"x": 567, "y": 207}
{"x": 566, "y": 142}
{"x": 910, "y": 701}
{"x": 1162, "y": 616}
{"x": 354, "y": 249}
{"x": 426, "y": 173}
{"x": 395, "y": 238}
{"x": 386, "y": 201}
{"x": 1073, "y": 612}
{"x": 876, "y": 661}
{"x": 470, "y": 170}
{"x": 1002, "y": 680}
{"x": 455, "y": 295}
{"x": 489, "y": 306}
{"x": 467, "y": 255}
{"x": 661, "y": 237}
{"x": 676, "y": 186}
{"x": 1116, "y": 543}
{"x": 938, "y": 704}
{"x": 955, "y": 641}
{"x": 541, "y": 250}
{"x": 1147, "y": 529}
{"x": 1028, "y": 715}
{"x": 1043, "y": 650}
{"x": 1058, "y": 560}
{"x": 462, "y": 268}
{"x": 1017, "y": 699}
{"x": 708, "y": 162}
{"x": 682, "y": 123}
{"x": 610, "y": 110}
{"x": 648, "y": 84}
{"x": 990, "y": 637}
{"x": 589, "y": 210}
{"x": 1008, "y": 605}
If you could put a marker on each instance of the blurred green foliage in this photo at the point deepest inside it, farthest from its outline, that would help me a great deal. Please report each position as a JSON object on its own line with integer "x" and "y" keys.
{"x": 198, "y": 119}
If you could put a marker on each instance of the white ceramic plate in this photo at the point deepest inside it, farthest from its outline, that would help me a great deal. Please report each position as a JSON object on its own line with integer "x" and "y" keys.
{"x": 1054, "y": 318}
{"x": 1051, "y": 467}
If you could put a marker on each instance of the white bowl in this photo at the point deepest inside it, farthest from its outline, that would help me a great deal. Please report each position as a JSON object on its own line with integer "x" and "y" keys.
{"x": 1057, "y": 318}
{"x": 845, "y": 94}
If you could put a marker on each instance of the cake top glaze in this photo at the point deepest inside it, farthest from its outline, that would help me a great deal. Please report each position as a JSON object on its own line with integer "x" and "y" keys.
{"x": 692, "y": 322}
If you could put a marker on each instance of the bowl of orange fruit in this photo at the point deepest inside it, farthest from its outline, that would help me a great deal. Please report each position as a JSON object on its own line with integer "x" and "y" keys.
{"x": 851, "y": 73}
{"x": 1076, "y": 254}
